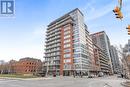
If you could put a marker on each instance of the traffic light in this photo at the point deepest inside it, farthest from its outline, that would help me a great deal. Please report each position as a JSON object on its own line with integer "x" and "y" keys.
{"x": 119, "y": 15}
{"x": 128, "y": 29}
{"x": 118, "y": 12}
{"x": 116, "y": 9}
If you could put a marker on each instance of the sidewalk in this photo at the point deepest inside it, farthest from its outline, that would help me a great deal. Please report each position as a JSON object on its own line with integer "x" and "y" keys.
{"x": 39, "y": 78}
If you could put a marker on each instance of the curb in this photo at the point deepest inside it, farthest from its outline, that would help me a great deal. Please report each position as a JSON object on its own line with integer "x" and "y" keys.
{"x": 37, "y": 79}
{"x": 11, "y": 78}
{"x": 24, "y": 78}
{"x": 124, "y": 84}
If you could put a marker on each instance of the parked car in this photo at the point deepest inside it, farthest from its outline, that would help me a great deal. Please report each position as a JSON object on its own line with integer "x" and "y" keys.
{"x": 90, "y": 76}
{"x": 100, "y": 74}
{"x": 42, "y": 74}
{"x": 119, "y": 76}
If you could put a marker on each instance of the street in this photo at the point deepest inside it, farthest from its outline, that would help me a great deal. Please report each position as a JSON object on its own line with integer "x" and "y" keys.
{"x": 111, "y": 81}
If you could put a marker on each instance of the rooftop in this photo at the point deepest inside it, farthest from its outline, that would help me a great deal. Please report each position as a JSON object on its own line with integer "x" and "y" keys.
{"x": 64, "y": 16}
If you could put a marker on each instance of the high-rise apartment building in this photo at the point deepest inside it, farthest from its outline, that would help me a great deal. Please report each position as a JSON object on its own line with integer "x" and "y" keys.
{"x": 101, "y": 39}
{"x": 69, "y": 47}
{"x": 126, "y": 48}
{"x": 101, "y": 60}
{"x": 115, "y": 59}
{"x": 129, "y": 46}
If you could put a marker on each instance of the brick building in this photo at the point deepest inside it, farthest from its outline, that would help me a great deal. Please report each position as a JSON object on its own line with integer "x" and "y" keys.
{"x": 23, "y": 66}
{"x": 28, "y": 66}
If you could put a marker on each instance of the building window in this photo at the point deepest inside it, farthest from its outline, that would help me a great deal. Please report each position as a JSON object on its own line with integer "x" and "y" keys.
{"x": 67, "y": 55}
{"x": 76, "y": 61}
{"x": 67, "y": 66}
{"x": 76, "y": 36}
{"x": 76, "y": 55}
{"x": 67, "y": 60}
{"x": 76, "y": 40}
{"x": 67, "y": 50}
{"x": 76, "y": 31}
{"x": 76, "y": 45}
{"x": 67, "y": 32}
{"x": 67, "y": 45}
{"x": 66, "y": 28}
{"x": 76, "y": 50}
{"x": 67, "y": 36}
{"x": 66, "y": 41}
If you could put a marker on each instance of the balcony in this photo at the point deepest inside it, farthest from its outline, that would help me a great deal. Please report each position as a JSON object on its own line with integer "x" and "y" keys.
{"x": 52, "y": 54}
{"x": 53, "y": 42}
{"x": 52, "y": 28}
{"x": 58, "y": 58}
{"x": 53, "y": 46}
{"x": 53, "y": 50}
{"x": 53, "y": 32}
{"x": 50, "y": 35}
{"x": 52, "y": 39}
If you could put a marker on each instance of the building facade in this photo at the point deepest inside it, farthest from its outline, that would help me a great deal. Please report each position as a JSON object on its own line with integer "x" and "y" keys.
{"x": 126, "y": 66}
{"x": 101, "y": 60}
{"x": 23, "y": 66}
{"x": 3, "y": 67}
{"x": 28, "y": 66}
{"x": 101, "y": 39}
{"x": 68, "y": 45}
{"x": 129, "y": 46}
{"x": 115, "y": 60}
{"x": 126, "y": 48}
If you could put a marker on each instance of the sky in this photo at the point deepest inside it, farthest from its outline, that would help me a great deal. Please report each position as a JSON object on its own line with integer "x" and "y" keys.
{"x": 24, "y": 34}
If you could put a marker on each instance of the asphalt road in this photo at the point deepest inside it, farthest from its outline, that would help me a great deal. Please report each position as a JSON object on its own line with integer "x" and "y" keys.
{"x": 63, "y": 82}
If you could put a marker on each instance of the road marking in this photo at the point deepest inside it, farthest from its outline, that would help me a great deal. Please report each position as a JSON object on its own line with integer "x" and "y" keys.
{"x": 4, "y": 81}
{"x": 106, "y": 85}
{"x": 14, "y": 85}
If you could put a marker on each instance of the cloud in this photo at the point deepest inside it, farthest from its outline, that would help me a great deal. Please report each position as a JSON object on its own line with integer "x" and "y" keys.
{"x": 94, "y": 13}
{"x": 89, "y": 7}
